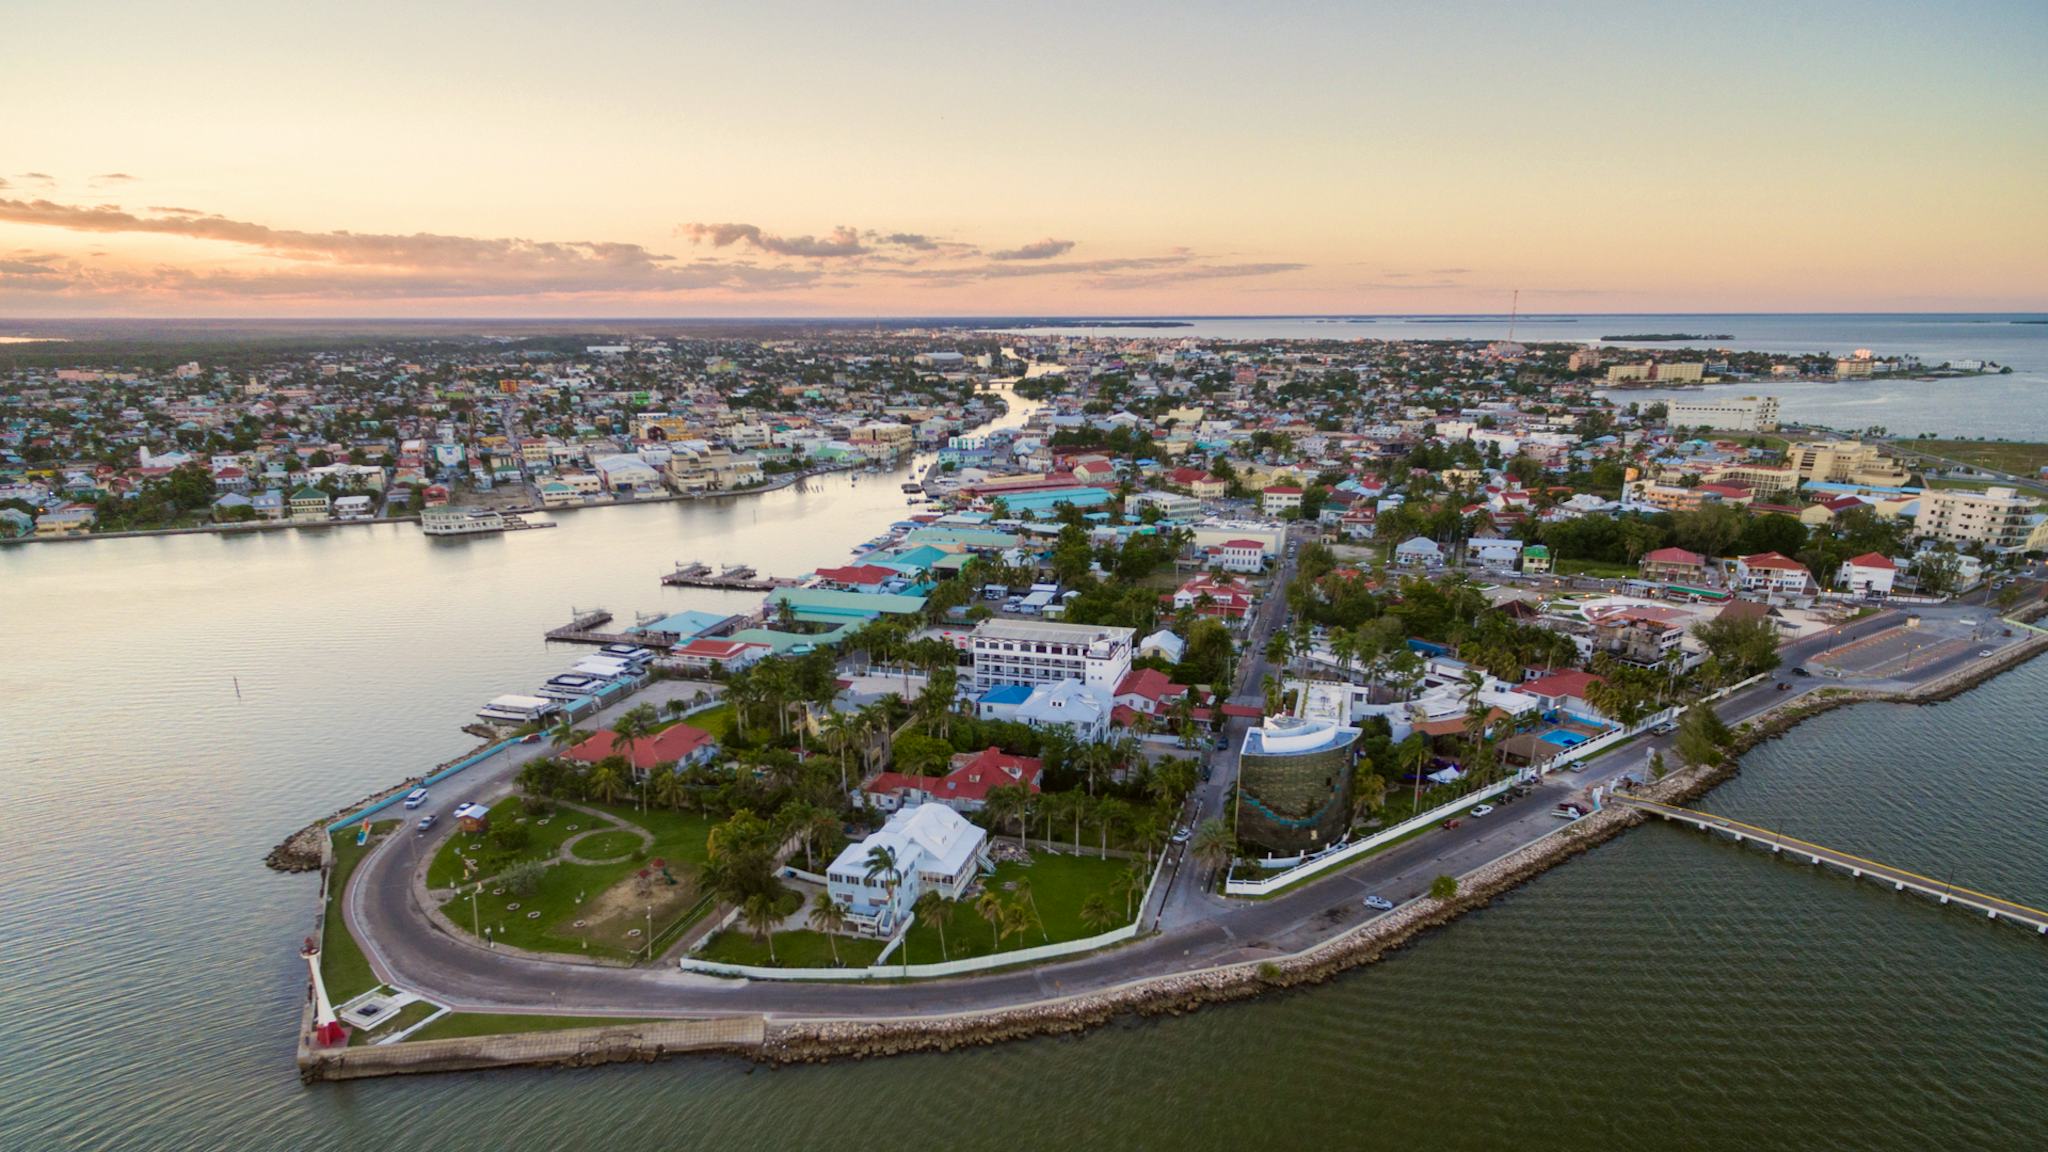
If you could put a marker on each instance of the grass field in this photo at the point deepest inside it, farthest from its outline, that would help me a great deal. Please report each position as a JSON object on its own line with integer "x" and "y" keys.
{"x": 614, "y": 905}
{"x": 1059, "y": 886}
{"x": 799, "y": 949}
{"x": 2019, "y": 458}
{"x": 1594, "y": 568}
{"x": 406, "y": 1017}
{"x": 342, "y": 966}
{"x": 542, "y": 839}
{"x": 458, "y": 1024}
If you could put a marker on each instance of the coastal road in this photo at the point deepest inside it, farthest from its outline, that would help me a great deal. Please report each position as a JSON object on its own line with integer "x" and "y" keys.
{"x": 409, "y": 952}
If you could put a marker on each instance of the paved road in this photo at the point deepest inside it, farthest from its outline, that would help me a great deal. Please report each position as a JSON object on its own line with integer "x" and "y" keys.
{"x": 408, "y": 952}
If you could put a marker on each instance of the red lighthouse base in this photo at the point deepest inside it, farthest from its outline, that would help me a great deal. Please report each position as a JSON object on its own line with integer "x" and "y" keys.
{"x": 330, "y": 1035}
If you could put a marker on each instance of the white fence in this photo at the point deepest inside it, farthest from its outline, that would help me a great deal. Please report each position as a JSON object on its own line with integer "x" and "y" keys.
{"x": 1577, "y": 752}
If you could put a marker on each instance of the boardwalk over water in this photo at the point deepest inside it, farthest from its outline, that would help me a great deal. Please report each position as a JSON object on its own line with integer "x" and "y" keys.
{"x": 584, "y": 629}
{"x": 1901, "y": 880}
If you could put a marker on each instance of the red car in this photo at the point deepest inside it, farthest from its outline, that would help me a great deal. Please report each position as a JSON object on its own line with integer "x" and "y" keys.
{"x": 1451, "y": 823}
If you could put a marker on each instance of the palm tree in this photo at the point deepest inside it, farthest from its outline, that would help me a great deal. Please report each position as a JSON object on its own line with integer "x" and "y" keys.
{"x": 1413, "y": 755}
{"x": 606, "y": 779}
{"x": 1132, "y": 883}
{"x": 990, "y": 908}
{"x": 1110, "y": 812}
{"x": 566, "y": 734}
{"x": 668, "y": 787}
{"x": 761, "y": 913}
{"x": 935, "y": 908}
{"x": 1097, "y": 914}
{"x": 1213, "y": 844}
{"x": 1016, "y": 921}
{"x": 882, "y": 865}
{"x": 1022, "y": 890}
{"x": 828, "y": 915}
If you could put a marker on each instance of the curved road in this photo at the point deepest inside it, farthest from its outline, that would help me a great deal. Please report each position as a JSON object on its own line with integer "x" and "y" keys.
{"x": 408, "y": 951}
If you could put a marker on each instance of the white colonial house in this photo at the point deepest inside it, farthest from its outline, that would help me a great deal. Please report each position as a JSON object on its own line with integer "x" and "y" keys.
{"x": 934, "y": 849}
{"x": 1772, "y": 573}
{"x": 1869, "y": 575}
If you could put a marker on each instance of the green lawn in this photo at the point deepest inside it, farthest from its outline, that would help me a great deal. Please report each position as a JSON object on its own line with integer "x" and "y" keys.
{"x": 1059, "y": 886}
{"x": 607, "y": 845}
{"x": 2022, "y": 459}
{"x": 542, "y": 839}
{"x": 610, "y": 899}
{"x": 1594, "y": 568}
{"x": 800, "y": 949}
{"x": 342, "y": 965}
{"x": 717, "y": 721}
{"x": 459, "y": 1024}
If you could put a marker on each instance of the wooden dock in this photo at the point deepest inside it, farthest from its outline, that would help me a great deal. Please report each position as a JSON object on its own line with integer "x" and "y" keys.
{"x": 1995, "y": 907}
{"x": 585, "y": 629}
{"x": 739, "y": 579}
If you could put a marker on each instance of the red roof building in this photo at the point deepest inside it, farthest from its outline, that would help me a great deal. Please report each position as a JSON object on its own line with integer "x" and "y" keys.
{"x": 964, "y": 789}
{"x": 676, "y": 744}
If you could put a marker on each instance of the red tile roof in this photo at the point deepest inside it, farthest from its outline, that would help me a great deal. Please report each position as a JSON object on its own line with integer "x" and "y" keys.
{"x": 1569, "y": 682}
{"x": 1674, "y": 556}
{"x": 1770, "y": 560}
{"x": 858, "y": 574}
{"x": 1873, "y": 560}
{"x": 972, "y": 776}
{"x": 667, "y": 746}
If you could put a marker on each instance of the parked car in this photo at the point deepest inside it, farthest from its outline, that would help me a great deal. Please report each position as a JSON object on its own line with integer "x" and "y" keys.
{"x": 1984, "y": 654}
{"x": 1379, "y": 903}
{"x": 1665, "y": 729}
{"x": 428, "y": 821}
{"x": 1182, "y": 835}
{"x": 1482, "y": 810}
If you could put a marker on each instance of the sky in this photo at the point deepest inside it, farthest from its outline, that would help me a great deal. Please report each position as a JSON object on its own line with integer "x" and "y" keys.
{"x": 617, "y": 158}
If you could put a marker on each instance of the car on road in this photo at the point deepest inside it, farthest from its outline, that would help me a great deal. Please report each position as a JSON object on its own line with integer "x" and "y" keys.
{"x": 428, "y": 821}
{"x": 416, "y": 797}
{"x": 1665, "y": 729}
{"x": 1801, "y": 672}
{"x": 1379, "y": 903}
{"x": 1984, "y": 654}
{"x": 1449, "y": 824}
{"x": 1482, "y": 810}
{"x": 530, "y": 738}
{"x": 1784, "y": 685}
{"x": 1182, "y": 835}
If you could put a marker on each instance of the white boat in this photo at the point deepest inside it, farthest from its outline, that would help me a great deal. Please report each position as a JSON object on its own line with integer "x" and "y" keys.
{"x": 460, "y": 521}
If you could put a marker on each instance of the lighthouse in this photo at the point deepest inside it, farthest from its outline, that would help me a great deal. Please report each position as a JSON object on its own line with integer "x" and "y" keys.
{"x": 328, "y": 1032}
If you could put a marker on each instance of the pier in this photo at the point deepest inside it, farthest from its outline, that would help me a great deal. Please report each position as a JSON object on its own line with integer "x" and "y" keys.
{"x": 584, "y": 628}
{"x": 736, "y": 578}
{"x": 1997, "y": 908}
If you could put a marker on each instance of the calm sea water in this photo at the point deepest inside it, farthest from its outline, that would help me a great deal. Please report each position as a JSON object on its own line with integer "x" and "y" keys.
{"x": 1663, "y": 991}
{"x": 2014, "y": 407}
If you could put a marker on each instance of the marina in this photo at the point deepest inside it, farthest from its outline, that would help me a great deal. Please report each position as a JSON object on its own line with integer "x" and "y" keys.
{"x": 733, "y": 578}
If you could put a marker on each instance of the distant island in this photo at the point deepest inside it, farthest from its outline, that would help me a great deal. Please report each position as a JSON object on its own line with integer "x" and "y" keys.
{"x": 1666, "y": 337}
{"x": 1102, "y": 324}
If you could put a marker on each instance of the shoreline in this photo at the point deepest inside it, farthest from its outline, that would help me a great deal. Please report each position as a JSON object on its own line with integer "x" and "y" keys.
{"x": 817, "y": 1040}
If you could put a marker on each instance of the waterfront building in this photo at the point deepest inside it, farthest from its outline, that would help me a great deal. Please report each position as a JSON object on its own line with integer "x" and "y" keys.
{"x": 452, "y": 521}
{"x": 934, "y": 848}
{"x": 512, "y": 711}
{"x": 75, "y": 520}
{"x": 1035, "y": 652}
{"x": 1654, "y": 372}
{"x": 310, "y": 504}
{"x": 1748, "y": 414}
{"x": 1294, "y": 776}
{"x": 1997, "y": 519}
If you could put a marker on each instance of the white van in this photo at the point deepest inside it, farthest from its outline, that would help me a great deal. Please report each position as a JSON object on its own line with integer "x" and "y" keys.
{"x": 416, "y": 797}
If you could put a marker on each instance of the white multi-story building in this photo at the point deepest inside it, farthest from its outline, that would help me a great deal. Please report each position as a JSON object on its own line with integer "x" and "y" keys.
{"x": 1998, "y": 519}
{"x": 934, "y": 849}
{"x": 1034, "y": 652}
{"x": 1772, "y": 573}
{"x": 1749, "y": 414}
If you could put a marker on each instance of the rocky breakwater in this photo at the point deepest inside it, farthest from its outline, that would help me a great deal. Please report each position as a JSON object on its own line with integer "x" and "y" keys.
{"x": 795, "y": 1041}
{"x": 300, "y": 851}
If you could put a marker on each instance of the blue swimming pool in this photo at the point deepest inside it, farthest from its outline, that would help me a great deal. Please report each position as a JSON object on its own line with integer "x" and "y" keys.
{"x": 1563, "y": 738}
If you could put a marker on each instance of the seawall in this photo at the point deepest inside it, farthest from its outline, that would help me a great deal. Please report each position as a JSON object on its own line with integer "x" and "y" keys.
{"x": 564, "y": 1047}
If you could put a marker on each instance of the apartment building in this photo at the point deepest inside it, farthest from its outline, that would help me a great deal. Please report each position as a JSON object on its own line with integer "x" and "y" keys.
{"x": 1038, "y": 652}
{"x": 1652, "y": 372}
{"x": 1997, "y": 519}
{"x": 1748, "y": 414}
{"x": 1845, "y": 462}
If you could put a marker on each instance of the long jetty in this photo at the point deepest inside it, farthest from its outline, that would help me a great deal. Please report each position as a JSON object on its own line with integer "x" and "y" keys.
{"x": 1995, "y": 907}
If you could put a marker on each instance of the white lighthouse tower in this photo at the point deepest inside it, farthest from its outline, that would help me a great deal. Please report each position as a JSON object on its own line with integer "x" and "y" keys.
{"x": 328, "y": 1032}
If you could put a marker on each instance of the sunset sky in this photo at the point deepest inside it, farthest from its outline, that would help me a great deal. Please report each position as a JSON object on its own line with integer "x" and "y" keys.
{"x": 673, "y": 159}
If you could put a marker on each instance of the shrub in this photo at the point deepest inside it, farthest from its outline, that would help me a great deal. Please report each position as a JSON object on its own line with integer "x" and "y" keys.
{"x": 524, "y": 877}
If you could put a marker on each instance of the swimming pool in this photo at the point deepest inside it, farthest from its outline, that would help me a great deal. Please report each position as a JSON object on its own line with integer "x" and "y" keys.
{"x": 1564, "y": 739}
